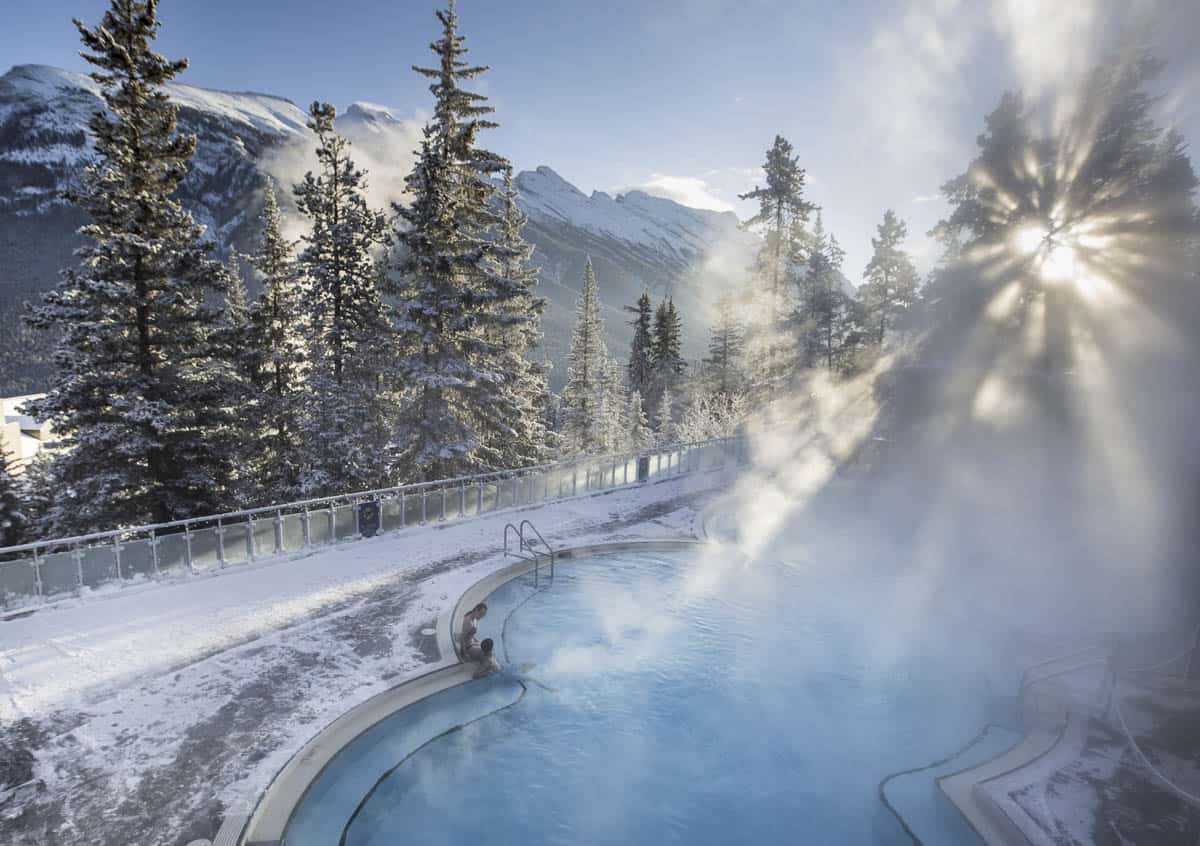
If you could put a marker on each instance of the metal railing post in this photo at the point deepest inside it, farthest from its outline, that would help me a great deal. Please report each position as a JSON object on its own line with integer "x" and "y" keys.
{"x": 462, "y": 500}
{"x": 307, "y": 531}
{"x": 332, "y": 525}
{"x": 77, "y": 554}
{"x": 278, "y": 530}
{"x": 357, "y": 530}
{"x": 443, "y": 517}
{"x": 187, "y": 547}
{"x": 154, "y": 552}
{"x": 116, "y": 554}
{"x": 424, "y": 496}
{"x": 478, "y": 498}
{"x": 251, "y": 538}
{"x": 37, "y": 575}
{"x": 574, "y": 479}
{"x": 220, "y": 544}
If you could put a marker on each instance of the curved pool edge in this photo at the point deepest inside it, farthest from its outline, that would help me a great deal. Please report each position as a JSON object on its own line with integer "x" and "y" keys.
{"x": 267, "y": 823}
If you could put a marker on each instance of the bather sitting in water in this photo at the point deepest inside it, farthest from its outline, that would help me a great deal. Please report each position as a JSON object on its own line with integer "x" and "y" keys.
{"x": 482, "y": 654}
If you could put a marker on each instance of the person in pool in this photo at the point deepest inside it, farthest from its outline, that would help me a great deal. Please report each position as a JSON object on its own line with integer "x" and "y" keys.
{"x": 483, "y": 656}
{"x": 470, "y": 625}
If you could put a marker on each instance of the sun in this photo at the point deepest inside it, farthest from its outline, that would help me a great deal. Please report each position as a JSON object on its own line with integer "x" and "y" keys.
{"x": 1053, "y": 251}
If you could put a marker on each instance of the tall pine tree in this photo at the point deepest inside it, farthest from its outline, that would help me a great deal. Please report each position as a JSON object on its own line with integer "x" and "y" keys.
{"x": 890, "y": 278}
{"x": 640, "y": 370}
{"x": 517, "y": 332}
{"x": 827, "y": 317}
{"x": 349, "y": 420}
{"x": 723, "y": 366}
{"x": 459, "y": 308}
{"x": 277, "y": 335}
{"x": 140, "y": 398}
{"x": 666, "y": 346}
{"x": 782, "y": 211}
{"x": 582, "y": 398}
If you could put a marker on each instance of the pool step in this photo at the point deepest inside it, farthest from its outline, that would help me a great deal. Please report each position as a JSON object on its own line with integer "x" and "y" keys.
{"x": 995, "y": 794}
{"x": 979, "y": 806}
{"x": 916, "y": 800}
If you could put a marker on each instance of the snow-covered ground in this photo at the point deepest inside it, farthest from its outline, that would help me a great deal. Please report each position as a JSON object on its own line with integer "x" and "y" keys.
{"x": 145, "y": 715}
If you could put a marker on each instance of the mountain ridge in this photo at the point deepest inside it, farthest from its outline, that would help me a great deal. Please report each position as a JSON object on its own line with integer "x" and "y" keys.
{"x": 637, "y": 241}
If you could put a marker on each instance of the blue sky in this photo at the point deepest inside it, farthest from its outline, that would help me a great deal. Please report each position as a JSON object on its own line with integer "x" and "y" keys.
{"x": 882, "y": 100}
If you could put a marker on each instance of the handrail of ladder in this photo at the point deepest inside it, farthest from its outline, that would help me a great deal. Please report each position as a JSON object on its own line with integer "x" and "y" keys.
{"x": 526, "y": 549}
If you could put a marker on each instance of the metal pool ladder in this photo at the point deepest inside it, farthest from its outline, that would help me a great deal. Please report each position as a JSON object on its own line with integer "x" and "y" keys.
{"x": 527, "y": 549}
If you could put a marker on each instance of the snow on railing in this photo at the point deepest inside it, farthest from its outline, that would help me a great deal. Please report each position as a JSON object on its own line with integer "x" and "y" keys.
{"x": 36, "y": 571}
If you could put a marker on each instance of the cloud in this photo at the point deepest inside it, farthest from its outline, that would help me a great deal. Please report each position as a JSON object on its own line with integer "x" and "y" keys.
{"x": 921, "y": 199}
{"x": 687, "y": 190}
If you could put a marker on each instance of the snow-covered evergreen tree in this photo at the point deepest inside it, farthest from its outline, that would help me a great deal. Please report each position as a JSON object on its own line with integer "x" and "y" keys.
{"x": 668, "y": 363}
{"x": 522, "y": 440}
{"x": 891, "y": 280}
{"x": 827, "y": 319}
{"x": 723, "y": 366}
{"x": 459, "y": 310}
{"x": 640, "y": 435}
{"x": 13, "y": 520}
{"x": 277, "y": 335}
{"x": 640, "y": 370}
{"x": 614, "y": 424}
{"x": 664, "y": 421}
{"x": 782, "y": 211}
{"x": 582, "y": 398}
{"x": 140, "y": 398}
{"x": 350, "y": 407}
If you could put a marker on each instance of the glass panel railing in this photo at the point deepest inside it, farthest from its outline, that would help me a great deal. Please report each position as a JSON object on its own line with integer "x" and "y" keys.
{"x": 172, "y": 553}
{"x": 344, "y": 523}
{"x": 291, "y": 532}
{"x": 237, "y": 550}
{"x": 18, "y": 582}
{"x": 204, "y": 549}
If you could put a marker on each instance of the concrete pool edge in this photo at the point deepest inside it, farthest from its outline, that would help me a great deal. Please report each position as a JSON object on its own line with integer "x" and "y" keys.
{"x": 267, "y": 823}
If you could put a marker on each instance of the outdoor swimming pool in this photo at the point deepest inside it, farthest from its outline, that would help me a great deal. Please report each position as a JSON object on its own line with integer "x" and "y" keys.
{"x": 654, "y": 698}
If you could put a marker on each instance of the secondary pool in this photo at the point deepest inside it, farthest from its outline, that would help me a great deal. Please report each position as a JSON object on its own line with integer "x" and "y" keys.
{"x": 671, "y": 698}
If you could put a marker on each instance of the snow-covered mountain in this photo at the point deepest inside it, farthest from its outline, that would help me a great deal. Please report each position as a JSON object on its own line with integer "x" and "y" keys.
{"x": 637, "y": 241}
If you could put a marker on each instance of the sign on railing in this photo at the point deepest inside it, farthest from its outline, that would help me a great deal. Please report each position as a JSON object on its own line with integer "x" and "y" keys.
{"x": 35, "y": 571}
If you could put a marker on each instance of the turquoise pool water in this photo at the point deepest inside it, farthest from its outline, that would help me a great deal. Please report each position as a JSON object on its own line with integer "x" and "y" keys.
{"x": 658, "y": 699}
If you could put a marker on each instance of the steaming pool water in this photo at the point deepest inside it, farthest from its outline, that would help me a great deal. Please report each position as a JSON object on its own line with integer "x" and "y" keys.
{"x": 652, "y": 698}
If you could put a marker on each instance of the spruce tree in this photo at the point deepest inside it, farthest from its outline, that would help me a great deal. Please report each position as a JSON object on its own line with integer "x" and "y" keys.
{"x": 459, "y": 308}
{"x": 582, "y": 421}
{"x": 139, "y": 400}
{"x": 640, "y": 370}
{"x": 614, "y": 413}
{"x": 664, "y": 425}
{"x": 827, "y": 316}
{"x": 666, "y": 346}
{"x": 782, "y": 211}
{"x": 890, "y": 278}
{"x": 13, "y": 520}
{"x": 348, "y": 425}
{"x": 522, "y": 439}
{"x": 723, "y": 365}
{"x": 640, "y": 435}
{"x": 277, "y": 334}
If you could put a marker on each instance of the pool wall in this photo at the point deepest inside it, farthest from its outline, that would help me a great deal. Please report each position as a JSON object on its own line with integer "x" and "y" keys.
{"x": 268, "y": 823}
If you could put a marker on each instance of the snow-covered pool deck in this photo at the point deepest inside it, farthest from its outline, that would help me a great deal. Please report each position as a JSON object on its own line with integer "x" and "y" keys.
{"x": 149, "y": 714}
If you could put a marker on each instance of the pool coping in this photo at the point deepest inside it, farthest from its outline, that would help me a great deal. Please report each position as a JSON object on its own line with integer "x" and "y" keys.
{"x": 267, "y": 823}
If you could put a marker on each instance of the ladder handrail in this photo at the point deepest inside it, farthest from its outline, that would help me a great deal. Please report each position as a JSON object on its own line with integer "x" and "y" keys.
{"x": 528, "y": 544}
{"x": 526, "y": 549}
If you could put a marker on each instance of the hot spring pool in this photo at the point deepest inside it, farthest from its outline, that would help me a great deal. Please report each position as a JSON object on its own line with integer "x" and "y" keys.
{"x": 648, "y": 698}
